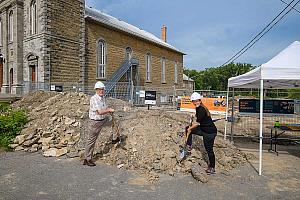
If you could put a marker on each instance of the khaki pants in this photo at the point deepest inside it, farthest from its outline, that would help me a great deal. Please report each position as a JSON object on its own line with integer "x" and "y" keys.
{"x": 94, "y": 131}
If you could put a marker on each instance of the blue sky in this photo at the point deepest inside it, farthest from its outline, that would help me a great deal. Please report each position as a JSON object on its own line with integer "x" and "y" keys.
{"x": 210, "y": 32}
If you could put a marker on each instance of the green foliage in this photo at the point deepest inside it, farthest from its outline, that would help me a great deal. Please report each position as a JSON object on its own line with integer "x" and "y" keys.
{"x": 216, "y": 78}
{"x": 294, "y": 94}
{"x": 11, "y": 123}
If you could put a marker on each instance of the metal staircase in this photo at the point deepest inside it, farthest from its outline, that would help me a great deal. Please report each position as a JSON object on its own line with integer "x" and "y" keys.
{"x": 126, "y": 65}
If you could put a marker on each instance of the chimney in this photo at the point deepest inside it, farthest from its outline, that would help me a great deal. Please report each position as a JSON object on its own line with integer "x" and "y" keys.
{"x": 164, "y": 33}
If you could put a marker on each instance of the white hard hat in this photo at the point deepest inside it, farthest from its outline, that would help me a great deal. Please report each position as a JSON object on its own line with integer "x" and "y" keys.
{"x": 196, "y": 96}
{"x": 100, "y": 85}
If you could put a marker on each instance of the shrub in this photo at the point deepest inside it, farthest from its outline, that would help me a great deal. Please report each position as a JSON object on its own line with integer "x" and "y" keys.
{"x": 11, "y": 123}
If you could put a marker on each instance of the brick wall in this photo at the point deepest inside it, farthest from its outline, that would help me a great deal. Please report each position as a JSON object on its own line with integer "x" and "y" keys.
{"x": 116, "y": 42}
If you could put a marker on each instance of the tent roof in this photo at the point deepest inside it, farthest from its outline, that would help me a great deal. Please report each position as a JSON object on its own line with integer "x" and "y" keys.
{"x": 281, "y": 72}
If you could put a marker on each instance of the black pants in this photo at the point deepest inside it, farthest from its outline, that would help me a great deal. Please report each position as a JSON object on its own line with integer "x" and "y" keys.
{"x": 208, "y": 140}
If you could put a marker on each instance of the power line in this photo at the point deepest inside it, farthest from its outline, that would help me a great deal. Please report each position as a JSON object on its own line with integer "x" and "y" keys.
{"x": 238, "y": 54}
{"x": 266, "y": 31}
{"x": 293, "y": 8}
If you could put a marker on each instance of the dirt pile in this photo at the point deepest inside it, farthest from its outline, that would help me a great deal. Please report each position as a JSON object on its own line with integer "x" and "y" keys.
{"x": 58, "y": 125}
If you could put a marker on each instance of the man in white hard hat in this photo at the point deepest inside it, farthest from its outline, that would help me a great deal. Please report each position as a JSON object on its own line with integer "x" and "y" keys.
{"x": 98, "y": 118}
{"x": 205, "y": 127}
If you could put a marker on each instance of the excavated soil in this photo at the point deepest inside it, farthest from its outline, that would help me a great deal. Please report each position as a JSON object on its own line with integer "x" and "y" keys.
{"x": 58, "y": 126}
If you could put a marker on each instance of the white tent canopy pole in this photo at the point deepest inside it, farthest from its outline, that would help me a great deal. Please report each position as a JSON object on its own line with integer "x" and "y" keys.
{"x": 226, "y": 116}
{"x": 261, "y": 108}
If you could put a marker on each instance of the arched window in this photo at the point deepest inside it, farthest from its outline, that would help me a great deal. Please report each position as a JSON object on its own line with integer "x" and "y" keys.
{"x": 1, "y": 38}
{"x": 11, "y": 26}
{"x": 33, "y": 18}
{"x": 175, "y": 73}
{"x": 148, "y": 67}
{"x": 128, "y": 52}
{"x": 101, "y": 55}
{"x": 163, "y": 70}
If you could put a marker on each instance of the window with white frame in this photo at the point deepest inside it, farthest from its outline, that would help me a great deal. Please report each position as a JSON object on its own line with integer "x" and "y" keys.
{"x": 11, "y": 26}
{"x": 163, "y": 70}
{"x": 1, "y": 38}
{"x": 33, "y": 18}
{"x": 148, "y": 67}
{"x": 101, "y": 55}
{"x": 175, "y": 73}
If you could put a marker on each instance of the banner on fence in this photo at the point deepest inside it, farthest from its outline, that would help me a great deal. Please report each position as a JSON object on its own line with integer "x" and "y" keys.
{"x": 214, "y": 105}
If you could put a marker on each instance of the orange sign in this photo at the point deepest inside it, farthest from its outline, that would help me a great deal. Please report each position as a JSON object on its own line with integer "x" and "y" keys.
{"x": 214, "y": 105}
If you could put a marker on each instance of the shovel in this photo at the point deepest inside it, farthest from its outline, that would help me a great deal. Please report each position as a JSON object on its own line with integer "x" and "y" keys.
{"x": 183, "y": 152}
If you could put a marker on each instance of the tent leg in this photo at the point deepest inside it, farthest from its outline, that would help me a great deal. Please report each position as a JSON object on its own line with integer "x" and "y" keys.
{"x": 232, "y": 112}
{"x": 226, "y": 116}
{"x": 261, "y": 123}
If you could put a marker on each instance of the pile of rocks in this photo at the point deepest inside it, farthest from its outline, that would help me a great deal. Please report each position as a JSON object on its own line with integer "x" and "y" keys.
{"x": 58, "y": 126}
{"x": 54, "y": 123}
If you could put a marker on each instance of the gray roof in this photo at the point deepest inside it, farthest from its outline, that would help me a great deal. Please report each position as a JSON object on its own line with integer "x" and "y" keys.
{"x": 123, "y": 26}
{"x": 186, "y": 78}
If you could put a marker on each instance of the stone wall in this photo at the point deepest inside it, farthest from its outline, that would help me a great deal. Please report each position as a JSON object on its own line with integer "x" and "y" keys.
{"x": 64, "y": 39}
{"x": 116, "y": 43}
{"x": 12, "y": 51}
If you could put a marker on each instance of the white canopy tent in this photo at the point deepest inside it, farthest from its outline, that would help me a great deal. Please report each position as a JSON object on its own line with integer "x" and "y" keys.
{"x": 281, "y": 72}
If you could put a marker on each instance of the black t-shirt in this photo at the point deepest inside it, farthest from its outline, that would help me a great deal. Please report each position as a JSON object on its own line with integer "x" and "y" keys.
{"x": 206, "y": 123}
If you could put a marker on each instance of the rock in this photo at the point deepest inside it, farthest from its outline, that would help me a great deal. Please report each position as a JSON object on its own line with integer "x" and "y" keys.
{"x": 120, "y": 166}
{"x": 29, "y": 143}
{"x": 45, "y": 147}
{"x": 30, "y": 136}
{"x": 35, "y": 146}
{"x": 20, "y": 139}
{"x": 19, "y": 148}
{"x": 32, "y": 150}
{"x": 46, "y": 134}
{"x": 54, "y": 113}
{"x": 54, "y": 152}
{"x": 76, "y": 124}
{"x": 199, "y": 174}
{"x": 13, "y": 145}
{"x": 45, "y": 141}
{"x": 69, "y": 121}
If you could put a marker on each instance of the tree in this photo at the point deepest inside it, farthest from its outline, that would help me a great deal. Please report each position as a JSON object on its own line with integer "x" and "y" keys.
{"x": 217, "y": 78}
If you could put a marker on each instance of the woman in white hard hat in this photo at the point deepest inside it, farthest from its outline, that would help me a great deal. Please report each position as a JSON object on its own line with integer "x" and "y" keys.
{"x": 98, "y": 119}
{"x": 205, "y": 127}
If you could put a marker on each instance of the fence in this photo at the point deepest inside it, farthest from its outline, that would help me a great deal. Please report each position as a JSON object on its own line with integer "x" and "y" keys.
{"x": 247, "y": 124}
{"x": 243, "y": 124}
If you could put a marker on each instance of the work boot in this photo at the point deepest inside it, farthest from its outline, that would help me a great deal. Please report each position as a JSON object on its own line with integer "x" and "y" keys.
{"x": 89, "y": 163}
{"x": 210, "y": 170}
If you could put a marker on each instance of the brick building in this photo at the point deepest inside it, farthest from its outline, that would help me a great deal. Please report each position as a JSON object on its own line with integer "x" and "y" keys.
{"x": 46, "y": 43}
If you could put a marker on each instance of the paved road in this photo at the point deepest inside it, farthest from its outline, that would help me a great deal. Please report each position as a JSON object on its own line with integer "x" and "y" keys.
{"x": 31, "y": 176}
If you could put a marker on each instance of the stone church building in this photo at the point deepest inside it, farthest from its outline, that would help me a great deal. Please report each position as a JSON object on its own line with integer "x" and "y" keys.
{"x": 46, "y": 44}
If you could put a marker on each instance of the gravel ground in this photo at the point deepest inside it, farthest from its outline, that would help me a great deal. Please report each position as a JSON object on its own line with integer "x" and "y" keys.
{"x": 32, "y": 176}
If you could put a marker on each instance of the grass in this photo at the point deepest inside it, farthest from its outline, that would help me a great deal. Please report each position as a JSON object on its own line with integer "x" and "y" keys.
{"x": 11, "y": 123}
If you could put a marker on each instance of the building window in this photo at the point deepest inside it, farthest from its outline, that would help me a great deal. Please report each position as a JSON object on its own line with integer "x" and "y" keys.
{"x": 175, "y": 73}
{"x": 1, "y": 40}
{"x": 128, "y": 53}
{"x": 148, "y": 67}
{"x": 101, "y": 55}
{"x": 11, "y": 26}
{"x": 163, "y": 70}
{"x": 33, "y": 17}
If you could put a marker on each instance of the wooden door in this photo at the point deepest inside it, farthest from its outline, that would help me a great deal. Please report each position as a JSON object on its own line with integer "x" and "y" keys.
{"x": 33, "y": 74}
